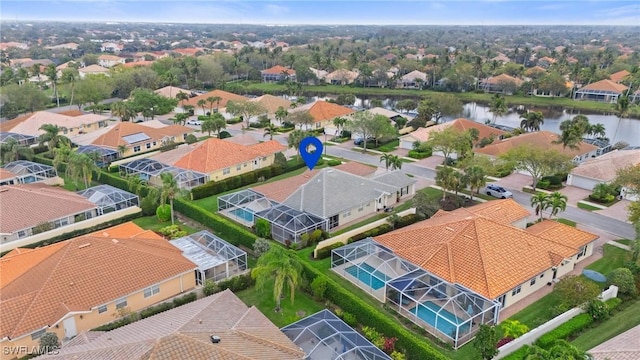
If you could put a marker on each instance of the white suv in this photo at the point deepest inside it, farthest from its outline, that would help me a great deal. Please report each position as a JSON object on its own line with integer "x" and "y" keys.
{"x": 498, "y": 191}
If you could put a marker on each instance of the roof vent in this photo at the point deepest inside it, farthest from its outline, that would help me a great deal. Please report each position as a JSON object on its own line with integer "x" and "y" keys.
{"x": 84, "y": 245}
{"x": 215, "y": 339}
{"x": 200, "y": 321}
{"x": 114, "y": 241}
{"x": 450, "y": 229}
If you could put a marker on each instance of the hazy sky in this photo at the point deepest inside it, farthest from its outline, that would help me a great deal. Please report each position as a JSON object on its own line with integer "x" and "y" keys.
{"x": 409, "y": 12}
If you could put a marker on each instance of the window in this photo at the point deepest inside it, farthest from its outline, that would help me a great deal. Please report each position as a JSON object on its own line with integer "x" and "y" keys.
{"x": 541, "y": 276}
{"x": 360, "y": 208}
{"x": 516, "y": 291}
{"x": 226, "y": 171}
{"x": 264, "y": 158}
{"x": 120, "y": 303}
{"x": 136, "y": 148}
{"x": 347, "y": 214}
{"x": 64, "y": 221}
{"x": 238, "y": 168}
{"x": 154, "y": 143}
{"x": 246, "y": 164}
{"x": 255, "y": 162}
{"x": 151, "y": 291}
{"x": 532, "y": 282}
{"x": 102, "y": 308}
{"x": 583, "y": 251}
{"x": 21, "y": 233}
{"x": 38, "y": 334}
{"x": 148, "y": 145}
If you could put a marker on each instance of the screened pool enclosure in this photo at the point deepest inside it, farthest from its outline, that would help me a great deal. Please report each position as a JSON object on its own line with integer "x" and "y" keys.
{"x": 150, "y": 170}
{"x": 21, "y": 139}
{"x": 104, "y": 155}
{"x": 242, "y": 205}
{"x": 216, "y": 259}
{"x": 324, "y": 336}
{"x": 289, "y": 224}
{"x": 28, "y": 171}
{"x": 449, "y": 311}
{"x": 109, "y": 198}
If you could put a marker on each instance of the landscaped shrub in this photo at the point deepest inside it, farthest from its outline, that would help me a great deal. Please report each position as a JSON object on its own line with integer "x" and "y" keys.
{"x": 325, "y": 252}
{"x": 261, "y": 246}
{"x": 603, "y": 193}
{"x": 163, "y": 213}
{"x": 553, "y": 182}
{"x": 374, "y": 336}
{"x": 350, "y": 319}
{"x": 334, "y": 162}
{"x": 209, "y": 288}
{"x": 414, "y": 154}
{"x": 518, "y": 354}
{"x": 406, "y": 220}
{"x": 378, "y": 230}
{"x": 319, "y": 287}
{"x": 263, "y": 228}
{"x": 190, "y": 297}
{"x": 565, "y": 330}
{"x": 575, "y": 290}
{"x": 150, "y": 311}
{"x": 513, "y": 328}
{"x": 172, "y": 232}
{"x": 224, "y": 134}
{"x": 236, "y": 283}
{"x": 613, "y": 303}
{"x": 624, "y": 280}
{"x": 598, "y": 310}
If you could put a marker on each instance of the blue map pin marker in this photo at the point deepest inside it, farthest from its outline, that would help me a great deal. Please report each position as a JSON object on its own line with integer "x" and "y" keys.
{"x": 310, "y": 158}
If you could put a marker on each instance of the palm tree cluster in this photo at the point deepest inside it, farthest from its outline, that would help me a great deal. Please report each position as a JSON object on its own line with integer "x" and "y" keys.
{"x": 12, "y": 150}
{"x": 498, "y": 106}
{"x": 555, "y": 201}
{"x": 391, "y": 161}
{"x": 283, "y": 268}
{"x": 531, "y": 121}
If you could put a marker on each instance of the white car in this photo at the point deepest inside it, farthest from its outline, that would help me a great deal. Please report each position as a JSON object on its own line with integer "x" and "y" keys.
{"x": 194, "y": 122}
{"x": 498, "y": 191}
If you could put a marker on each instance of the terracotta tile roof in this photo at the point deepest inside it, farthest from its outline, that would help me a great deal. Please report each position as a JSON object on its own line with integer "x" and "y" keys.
{"x": 622, "y": 347}
{"x": 216, "y": 154}
{"x": 423, "y": 134}
{"x": 605, "y": 85}
{"x": 323, "y": 110}
{"x": 464, "y": 248}
{"x": 184, "y": 333}
{"x": 224, "y": 95}
{"x": 505, "y": 211}
{"x": 93, "y": 69}
{"x": 242, "y": 139}
{"x": 356, "y": 168}
{"x": 617, "y": 77}
{"x": 113, "y": 137}
{"x": 109, "y": 57}
{"x": 496, "y": 80}
{"x": 281, "y": 189}
{"x": 138, "y": 63}
{"x": 71, "y": 113}
{"x": 6, "y": 175}
{"x": 541, "y": 139}
{"x": 278, "y": 69}
{"x": 604, "y": 168}
{"x": 82, "y": 273}
{"x": 561, "y": 233}
{"x": 30, "y": 124}
{"x": 272, "y": 103}
{"x": 26, "y": 205}
{"x": 171, "y": 91}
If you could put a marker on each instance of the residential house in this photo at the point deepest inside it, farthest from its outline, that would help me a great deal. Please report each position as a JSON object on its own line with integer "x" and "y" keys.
{"x": 542, "y": 140}
{"x": 603, "y": 170}
{"x": 319, "y": 74}
{"x": 135, "y": 64}
{"x": 323, "y": 335}
{"x": 323, "y": 112}
{"x": 272, "y": 103}
{"x": 131, "y": 138}
{"x": 111, "y": 47}
{"x": 221, "y": 159}
{"x": 546, "y": 61}
{"x": 453, "y": 263}
{"x": 501, "y": 58}
{"x": 172, "y": 91}
{"x": 502, "y": 83}
{"x": 604, "y": 90}
{"x": 414, "y": 80}
{"x": 423, "y": 134}
{"x": 635, "y": 97}
{"x": 13, "y": 44}
{"x": 341, "y": 77}
{"x": 90, "y": 281}
{"x": 93, "y": 70}
{"x": 278, "y": 73}
{"x": 219, "y": 326}
{"x": 619, "y": 76}
{"x": 217, "y": 106}
{"x": 76, "y": 123}
{"x": 27, "y": 172}
{"x": 108, "y": 61}
{"x": 68, "y": 46}
{"x": 189, "y": 51}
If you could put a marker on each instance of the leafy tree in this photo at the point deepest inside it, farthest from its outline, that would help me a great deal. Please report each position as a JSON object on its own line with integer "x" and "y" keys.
{"x": 281, "y": 267}
{"x": 635, "y": 243}
{"x": 557, "y": 201}
{"x": 443, "y": 105}
{"x": 449, "y": 141}
{"x": 406, "y": 105}
{"x": 425, "y": 114}
{"x": 181, "y": 118}
{"x": 629, "y": 177}
{"x": 498, "y": 106}
{"x": 261, "y": 246}
{"x": 215, "y": 123}
{"x": 554, "y": 83}
{"x": 48, "y": 343}
{"x": 150, "y": 103}
{"x": 540, "y": 202}
{"x": 575, "y": 290}
{"x": 52, "y": 137}
{"x": 263, "y": 228}
{"x": 170, "y": 191}
{"x": 123, "y": 110}
{"x": 301, "y": 118}
{"x": 486, "y": 341}
{"x": 425, "y": 205}
{"x": 362, "y": 124}
{"x": 476, "y": 177}
{"x": 12, "y": 150}
{"x": 245, "y": 109}
{"x": 380, "y": 126}
{"x": 93, "y": 89}
{"x": 22, "y": 98}
{"x": 537, "y": 161}
{"x": 400, "y": 122}
{"x": 624, "y": 280}
{"x": 191, "y": 139}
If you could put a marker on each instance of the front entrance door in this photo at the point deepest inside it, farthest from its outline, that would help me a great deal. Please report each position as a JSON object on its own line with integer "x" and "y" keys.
{"x": 69, "y": 327}
{"x": 502, "y": 300}
{"x": 555, "y": 273}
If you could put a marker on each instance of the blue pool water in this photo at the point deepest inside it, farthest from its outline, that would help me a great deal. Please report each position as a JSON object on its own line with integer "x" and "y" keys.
{"x": 365, "y": 273}
{"x": 244, "y": 214}
{"x": 427, "y": 312}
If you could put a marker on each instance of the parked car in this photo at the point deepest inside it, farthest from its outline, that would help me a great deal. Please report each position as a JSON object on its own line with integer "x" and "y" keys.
{"x": 194, "y": 122}
{"x": 498, "y": 191}
{"x": 360, "y": 141}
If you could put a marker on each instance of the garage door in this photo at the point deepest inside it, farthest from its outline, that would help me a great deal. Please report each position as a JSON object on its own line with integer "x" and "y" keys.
{"x": 581, "y": 182}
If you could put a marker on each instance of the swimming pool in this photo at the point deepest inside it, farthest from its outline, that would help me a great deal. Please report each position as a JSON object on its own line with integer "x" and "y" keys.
{"x": 244, "y": 214}
{"x": 427, "y": 311}
{"x": 365, "y": 275}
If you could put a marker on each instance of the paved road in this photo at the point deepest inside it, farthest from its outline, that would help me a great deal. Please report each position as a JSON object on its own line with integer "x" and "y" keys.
{"x": 616, "y": 227}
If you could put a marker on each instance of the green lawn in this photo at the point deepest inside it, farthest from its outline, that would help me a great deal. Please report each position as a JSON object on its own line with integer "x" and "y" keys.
{"x": 303, "y": 305}
{"x": 617, "y": 324}
{"x": 537, "y": 313}
{"x": 587, "y": 207}
{"x": 361, "y": 223}
{"x": 613, "y": 258}
{"x": 566, "y": 222}
{"x": 390, "y": 146}
{"x": 623, "y": 241}
{"x": 152, "y": 223}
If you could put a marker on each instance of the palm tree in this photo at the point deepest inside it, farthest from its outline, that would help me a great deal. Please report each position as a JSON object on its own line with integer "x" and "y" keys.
{"x": 270, "y": 130}
{"x": 572, "y": 131}
{"x": 135, "y": 184}
{"x": 12, "y": 150}
{"x": 476, "y": 177}
{"x": 281, "y": 114}
{"x": 281, "y": 267}
{"x": 339, "y": 123}
{"x": 70, "y": 76}
{"x": 540, "y": 201}
{"x": 498, "y": 106}
{"x": 531, "y": 121}
{"x": 294, "y": 139}
{"x": 396, "y": 163}
{"x": 61, "y": 156}
{"x": 557, "y": 201}
{"x": 387, "y": 160}
{"x": 622, "y": 106}
{"x": 598, "y": 130}
{"x": 122, "y": 110}
{"x": 445, "y": 178}
{"x": 202, "y": 103}
{"x": 52, "y": 137}
{"x": 52, "y": 74}
{"x": 181, "y": 118}
{"x": 182, "y": 97}
{"x": 81, "y": 166}
{"x": 170, "y": 190}
{"x": 122, "y": 149}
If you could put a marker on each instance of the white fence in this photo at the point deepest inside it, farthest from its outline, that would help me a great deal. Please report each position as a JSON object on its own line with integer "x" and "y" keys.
{"x": 533, "y": 335}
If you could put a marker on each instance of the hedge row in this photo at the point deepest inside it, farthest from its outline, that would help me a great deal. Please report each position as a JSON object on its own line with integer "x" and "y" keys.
{"x": 419, "y": 154}
{"x": 225, "y": 229}
{"x": 152, "y": 310}
{"x": 565, "y": 330}
{"x": 378, "y": 230}
{"x": 325, "y": 252}
{"x": 518, "y": 354}
{"x": 367, "y": 315}
{"x": 218, "y": 187}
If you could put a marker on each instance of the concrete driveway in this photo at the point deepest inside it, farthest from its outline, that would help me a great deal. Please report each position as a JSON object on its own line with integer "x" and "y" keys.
{"x": 574, "y": 194}
{"x": 617, "y": 211}
{"x": 514, "y": 181}
{"x": 431, "y": 162}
